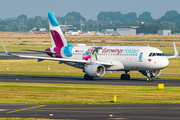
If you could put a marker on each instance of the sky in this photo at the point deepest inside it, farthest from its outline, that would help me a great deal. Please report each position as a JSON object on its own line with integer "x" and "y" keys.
{"x": 87, "y": 8}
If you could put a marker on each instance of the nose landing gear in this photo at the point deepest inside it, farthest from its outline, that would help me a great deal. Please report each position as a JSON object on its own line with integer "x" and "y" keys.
{"x": 149, "y": 78}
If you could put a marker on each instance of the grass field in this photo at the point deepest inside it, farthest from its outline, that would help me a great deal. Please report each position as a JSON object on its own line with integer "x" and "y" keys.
{"x": 32, "y": 67}
{"x": 39, "y": 93}
{"x": 45, "y": 93}
{"x": 16, "y": 41}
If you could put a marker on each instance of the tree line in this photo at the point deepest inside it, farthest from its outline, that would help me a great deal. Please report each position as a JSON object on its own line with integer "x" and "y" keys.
{"x": 105, "y": 20}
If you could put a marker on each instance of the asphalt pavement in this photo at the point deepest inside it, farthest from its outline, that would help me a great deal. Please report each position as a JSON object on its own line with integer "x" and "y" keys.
{"x": 92, "y": 112}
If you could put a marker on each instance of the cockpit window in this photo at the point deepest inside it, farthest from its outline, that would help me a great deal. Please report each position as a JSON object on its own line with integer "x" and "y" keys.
{"x": 153, "y": 54}
{"x": 156, "y": 54}
{"x": 150, "y": 54}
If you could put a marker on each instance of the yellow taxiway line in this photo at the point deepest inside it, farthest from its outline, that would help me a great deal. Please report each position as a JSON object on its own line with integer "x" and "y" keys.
{"x": 26, "y": 109}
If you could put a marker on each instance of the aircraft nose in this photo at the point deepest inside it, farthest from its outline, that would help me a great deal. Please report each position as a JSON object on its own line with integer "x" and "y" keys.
{"x": 164, "y": 63}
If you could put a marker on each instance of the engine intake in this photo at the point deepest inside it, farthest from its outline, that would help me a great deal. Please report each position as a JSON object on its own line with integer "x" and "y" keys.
{"x": 154, "y": 73}
{"x": 94, "y": 70}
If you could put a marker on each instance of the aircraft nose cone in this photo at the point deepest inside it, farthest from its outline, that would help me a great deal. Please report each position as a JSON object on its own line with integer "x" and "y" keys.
{"x": 164, "y": 63}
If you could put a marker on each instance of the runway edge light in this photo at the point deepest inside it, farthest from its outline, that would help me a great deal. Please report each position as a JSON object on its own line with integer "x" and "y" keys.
{"x": 160, "y": 86}
{"x": 111, "y": 115}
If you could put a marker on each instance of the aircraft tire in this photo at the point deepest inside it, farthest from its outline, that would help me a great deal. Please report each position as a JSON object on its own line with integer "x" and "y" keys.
{"x": 91, "y": 78}
{"x": 128, "y": 77}
{"x": 123, "y": 77}
{"x": 86, "y": 77}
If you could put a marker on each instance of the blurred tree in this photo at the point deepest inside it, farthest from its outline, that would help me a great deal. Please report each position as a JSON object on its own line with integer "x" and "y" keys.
{"x": 131, "y": 17}
{"x": 167, "y": 25}
{"x": 153, "y": 29}
{"x": 3, "y": 23}
{"x": 38, "y": 24}
{"x": 109, "y": 16}
{"x": 145, "y": 17}
{"x": 30, "y": 24}
{"x": 21, "y": 18}
{"x": 38, "y": 18}
{"x": 172, "y": 16}
{"x": 76, "y": 15}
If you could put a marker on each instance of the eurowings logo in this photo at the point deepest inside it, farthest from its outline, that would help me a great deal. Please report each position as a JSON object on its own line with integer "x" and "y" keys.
{"x": 131, "y": 50}
{"x": 118, "y": 51}
{"x": 105, "y": 50}
{"x": 140, "y": 57}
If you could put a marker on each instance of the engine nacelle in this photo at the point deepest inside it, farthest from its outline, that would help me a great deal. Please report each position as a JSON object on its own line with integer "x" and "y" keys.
{"x": 154, "y": 73}
{"x": 94, "y": 70}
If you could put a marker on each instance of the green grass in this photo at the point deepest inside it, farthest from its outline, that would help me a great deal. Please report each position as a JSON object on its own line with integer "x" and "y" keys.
{"x": 32, "y": 67}
{"x": 45, "y": 93}
{"x": 14, "y": 43}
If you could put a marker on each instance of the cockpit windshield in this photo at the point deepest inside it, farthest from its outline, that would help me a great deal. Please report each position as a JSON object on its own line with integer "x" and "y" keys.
{"x": 156, "y": 54}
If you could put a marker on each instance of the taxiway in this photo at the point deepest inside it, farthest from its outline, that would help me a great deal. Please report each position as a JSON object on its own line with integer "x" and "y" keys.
{"x": 92, "y": 112}
{"x": 80, "y": 80}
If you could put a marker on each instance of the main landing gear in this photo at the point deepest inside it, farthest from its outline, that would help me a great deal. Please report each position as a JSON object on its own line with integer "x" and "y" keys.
{"x": 125, "y": 76}
{"x": 87, "y": 77}
{"x": 149, "y": 78}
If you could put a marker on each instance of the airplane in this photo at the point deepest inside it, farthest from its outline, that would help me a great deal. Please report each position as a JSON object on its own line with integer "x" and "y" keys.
{"x": 96, "y": 60}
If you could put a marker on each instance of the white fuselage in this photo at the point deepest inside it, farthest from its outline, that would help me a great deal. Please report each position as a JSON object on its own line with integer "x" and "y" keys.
{"x": 122, "y": 57}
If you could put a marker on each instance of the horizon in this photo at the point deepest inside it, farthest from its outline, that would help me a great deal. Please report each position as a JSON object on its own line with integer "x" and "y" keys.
{"x": 46, "y": 17}
{"x": 88, "y": 9}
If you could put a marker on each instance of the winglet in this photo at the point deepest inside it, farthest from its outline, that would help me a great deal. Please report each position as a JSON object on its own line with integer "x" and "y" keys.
{"x": 175, "y": 50}
{"x": 7, "y": 52}
{"x": 176, "y": 53}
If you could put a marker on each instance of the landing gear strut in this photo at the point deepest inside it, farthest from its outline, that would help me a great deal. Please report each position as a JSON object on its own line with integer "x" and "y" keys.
{"x": 125, "y": 76}
{"x": 87, "y": 77}
{"x": 149, "y": 78}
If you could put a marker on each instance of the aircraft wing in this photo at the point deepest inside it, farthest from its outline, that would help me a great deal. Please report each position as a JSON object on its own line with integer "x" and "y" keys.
{"x": 37, "y": 51}
{"x": 56, "y": 59}
{"x": 65, "y": 60}
{"x": 176, "y": 54}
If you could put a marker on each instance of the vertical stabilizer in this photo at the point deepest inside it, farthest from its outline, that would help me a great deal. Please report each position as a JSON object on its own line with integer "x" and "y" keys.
{"x": 57, "y": 36}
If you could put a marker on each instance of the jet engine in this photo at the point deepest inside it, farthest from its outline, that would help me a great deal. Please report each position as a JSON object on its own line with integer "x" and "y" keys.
{"x": 94, "y": 70}
{"x": 154, "y": 73}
